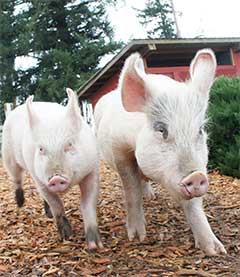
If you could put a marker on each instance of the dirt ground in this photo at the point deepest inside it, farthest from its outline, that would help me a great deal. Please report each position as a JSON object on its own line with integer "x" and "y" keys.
{"x": 29, "y": 244}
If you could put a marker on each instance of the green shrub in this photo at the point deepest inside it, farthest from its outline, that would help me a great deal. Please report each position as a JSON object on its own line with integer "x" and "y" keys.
{"x": 224, "y": 126}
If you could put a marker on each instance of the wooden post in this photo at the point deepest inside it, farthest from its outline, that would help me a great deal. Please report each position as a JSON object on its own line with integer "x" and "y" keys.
{"x": 7, "y": 108}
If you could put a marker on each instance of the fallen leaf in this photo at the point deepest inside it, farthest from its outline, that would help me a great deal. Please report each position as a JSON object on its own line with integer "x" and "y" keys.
{"x": 156, "y": 254}
{"x": 194, "y": 272}
{"x": 99, "y": 269}
{"x": 4, "y": 268}
{"x": 51, "y": 271}
{"x": 101, "y": 260}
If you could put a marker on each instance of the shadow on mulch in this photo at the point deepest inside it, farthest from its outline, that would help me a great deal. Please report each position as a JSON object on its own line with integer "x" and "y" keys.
{"x": 29, "y": 244}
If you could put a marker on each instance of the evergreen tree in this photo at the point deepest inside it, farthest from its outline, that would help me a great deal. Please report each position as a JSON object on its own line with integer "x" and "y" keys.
{"x": 68, "y": 39}
{"x": 157, "y": 16}
{"x": 8, "y": 53}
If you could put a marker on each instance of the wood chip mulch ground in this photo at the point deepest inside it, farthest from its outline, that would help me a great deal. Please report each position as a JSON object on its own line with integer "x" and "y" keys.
{"x": 29, "y": 244}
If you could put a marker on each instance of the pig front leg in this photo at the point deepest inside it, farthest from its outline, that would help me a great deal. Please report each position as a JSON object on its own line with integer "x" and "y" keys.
{"x": 129, "y": 173}
{"x": 16, "y": 173}
{"x": 203, "y": 234}
{"x": 54, "y": 207}
{"x": 47, "y": 210}
{"x": 89, "y": 187}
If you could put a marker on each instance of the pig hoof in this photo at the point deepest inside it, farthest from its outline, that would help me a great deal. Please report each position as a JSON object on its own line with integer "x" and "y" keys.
{"x": 47, "y": 210}
{"x": 19, "y": 196}
{"x": 137, "y": 230}
{"x": 64, "y": 228}
{"x": 213, "y": 248}
{"x": 93, "y": 238}
{"x": 148, "y": 191}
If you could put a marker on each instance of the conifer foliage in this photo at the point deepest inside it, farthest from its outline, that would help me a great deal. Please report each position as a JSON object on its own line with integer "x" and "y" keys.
{"x": 157, "y": 17}
{"x": 67, "y": 38}
{"x": 8, "y": 52}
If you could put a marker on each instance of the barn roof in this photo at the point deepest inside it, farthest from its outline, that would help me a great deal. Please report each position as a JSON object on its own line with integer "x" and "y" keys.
{"x": 144, "y": 46}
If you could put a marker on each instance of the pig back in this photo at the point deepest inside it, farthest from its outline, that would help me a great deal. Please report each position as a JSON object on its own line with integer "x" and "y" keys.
{"x": 13, "y": 132}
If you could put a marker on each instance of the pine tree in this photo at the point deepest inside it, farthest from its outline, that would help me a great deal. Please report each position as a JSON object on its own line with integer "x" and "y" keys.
{"x": 7, "y": 53}
{"x": 157, "y": 16}
{"x": 68, "y": 39}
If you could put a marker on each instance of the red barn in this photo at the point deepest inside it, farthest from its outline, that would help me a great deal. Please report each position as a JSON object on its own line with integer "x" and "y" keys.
{"x": 170, "y": 57}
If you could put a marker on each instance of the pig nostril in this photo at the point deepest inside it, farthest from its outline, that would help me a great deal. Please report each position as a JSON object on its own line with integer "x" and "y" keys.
{"x": 62, "y": 183}
{"x": 189, "y": 184}
{"x": 202, "y": 182}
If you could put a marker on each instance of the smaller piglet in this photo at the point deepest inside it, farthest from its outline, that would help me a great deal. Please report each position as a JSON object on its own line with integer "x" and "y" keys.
{"x": 58, "y": 149}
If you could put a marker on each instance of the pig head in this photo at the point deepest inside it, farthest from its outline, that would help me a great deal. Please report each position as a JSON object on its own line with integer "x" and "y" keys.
{"x": 57, "y": 143}
{"x": 172, "y": 148}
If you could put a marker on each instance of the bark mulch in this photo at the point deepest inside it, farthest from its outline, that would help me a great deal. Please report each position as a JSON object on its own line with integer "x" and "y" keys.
{"x": 29, "y": 243}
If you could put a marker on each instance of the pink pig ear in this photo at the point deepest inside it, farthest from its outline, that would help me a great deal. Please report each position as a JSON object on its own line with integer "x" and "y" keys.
{"x": 132, "y": 85}
{"x": 202, "y": 70}
{"x": 32, "y": 117}
{"x": 73, "y": 111}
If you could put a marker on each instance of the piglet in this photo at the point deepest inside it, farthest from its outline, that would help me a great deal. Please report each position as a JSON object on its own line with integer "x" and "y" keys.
{"x": 58, "y": 149}
{"x": 152, "y": 127}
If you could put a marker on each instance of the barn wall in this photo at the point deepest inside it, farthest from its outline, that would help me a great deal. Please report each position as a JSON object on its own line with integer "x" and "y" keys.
{"x": 179, "y": 73}
{"x": 236, "y": 61}
{"x": 110, "y": 85}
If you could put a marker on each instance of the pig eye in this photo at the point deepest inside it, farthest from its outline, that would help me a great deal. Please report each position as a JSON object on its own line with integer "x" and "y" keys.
{"x": 161, "y": 127}
{"x": 68, "y": 147}
{"x": 201, "y": 130}
{"x": 41, "y": 150}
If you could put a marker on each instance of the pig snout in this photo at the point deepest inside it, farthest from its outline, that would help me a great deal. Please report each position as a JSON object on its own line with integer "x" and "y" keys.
{"x": 58, "y": 183}
{"x": 194, "y": 185}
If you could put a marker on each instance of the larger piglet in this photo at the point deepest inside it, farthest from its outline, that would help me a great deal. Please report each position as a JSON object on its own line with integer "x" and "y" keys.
{"x": 58, "y": 149}
{"x": 153, "y": 126}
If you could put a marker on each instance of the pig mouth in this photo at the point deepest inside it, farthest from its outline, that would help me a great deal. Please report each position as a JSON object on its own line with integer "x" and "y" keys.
{"x": 185, "y": 192}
